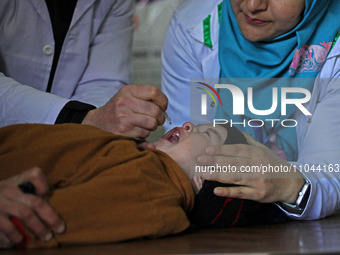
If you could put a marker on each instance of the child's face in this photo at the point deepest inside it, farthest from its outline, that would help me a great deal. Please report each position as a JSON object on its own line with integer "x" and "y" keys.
{"x": 184, "y": 144}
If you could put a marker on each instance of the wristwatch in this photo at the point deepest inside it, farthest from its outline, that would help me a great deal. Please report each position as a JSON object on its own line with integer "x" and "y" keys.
{"x": 301, "y": 201}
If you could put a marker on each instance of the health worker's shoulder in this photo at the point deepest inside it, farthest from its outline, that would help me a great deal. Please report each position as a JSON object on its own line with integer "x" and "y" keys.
{"x": 192, "y": 13}
{"x": 328, "y": 85}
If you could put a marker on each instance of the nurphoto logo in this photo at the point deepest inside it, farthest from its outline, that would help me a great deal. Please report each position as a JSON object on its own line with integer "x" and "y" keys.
{"x": 239, "y": 103}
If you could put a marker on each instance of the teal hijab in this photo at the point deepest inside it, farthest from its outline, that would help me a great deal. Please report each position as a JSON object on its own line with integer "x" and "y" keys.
{"x": 298, "y": 54}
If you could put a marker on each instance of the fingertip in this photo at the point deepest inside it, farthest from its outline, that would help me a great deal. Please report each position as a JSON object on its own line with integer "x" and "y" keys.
{"x": 210, "y": 150}
{"x": 146, "y": 145}
{"x": 40, "y": 182}
{"x": 31, "y": 173}
{"x": 161, "y": 119}
{"x": 48, "y": 237}
{"x": 204, "y": 160}
{"x": 145, "y": 134}
{"x": 36, "y": 171}
{"x": 61, "y": 228}
{"x": 164, "y": 106}
{"x": 150, "y": 146}
{"x": 218, "y": 192}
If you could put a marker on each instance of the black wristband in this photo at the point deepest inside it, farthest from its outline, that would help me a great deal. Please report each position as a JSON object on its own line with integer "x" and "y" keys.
{"x": 73, "y": 112}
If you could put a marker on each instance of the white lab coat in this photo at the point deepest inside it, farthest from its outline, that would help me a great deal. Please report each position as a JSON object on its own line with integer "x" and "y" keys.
{"x": 94, "y": 63}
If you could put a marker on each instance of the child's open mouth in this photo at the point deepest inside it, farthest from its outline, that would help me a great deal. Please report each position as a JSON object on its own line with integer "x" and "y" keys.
{"x": 173, "y": 135}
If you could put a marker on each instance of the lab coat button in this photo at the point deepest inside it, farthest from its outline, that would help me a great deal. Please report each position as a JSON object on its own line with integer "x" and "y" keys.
{"x": 212, "y": 104}
{"x": 48, "y": 50}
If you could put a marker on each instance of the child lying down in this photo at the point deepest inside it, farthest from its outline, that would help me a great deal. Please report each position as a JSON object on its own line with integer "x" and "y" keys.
{"x": 107, "y": 189}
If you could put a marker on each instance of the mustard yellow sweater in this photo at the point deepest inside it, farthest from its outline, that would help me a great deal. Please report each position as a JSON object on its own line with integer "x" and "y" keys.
{"x": 104, "y": 187}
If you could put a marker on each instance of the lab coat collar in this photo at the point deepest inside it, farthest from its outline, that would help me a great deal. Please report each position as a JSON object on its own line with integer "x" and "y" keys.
{"x": 197, "y": 31}
{"x": 335, "y": 51}
{"x": 81, "y": 8}
{"x": 41, "y": 8}
{"x": 193, "y": 20}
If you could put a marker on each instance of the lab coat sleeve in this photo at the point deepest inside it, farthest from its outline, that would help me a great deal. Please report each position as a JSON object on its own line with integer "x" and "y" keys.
{"x": 109, "y": 61}
{"x": 319, "y": 157}
{"x": 38, "y": 106}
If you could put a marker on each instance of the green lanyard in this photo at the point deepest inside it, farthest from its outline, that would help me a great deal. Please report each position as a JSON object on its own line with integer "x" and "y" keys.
{"x": 335, "y": 40}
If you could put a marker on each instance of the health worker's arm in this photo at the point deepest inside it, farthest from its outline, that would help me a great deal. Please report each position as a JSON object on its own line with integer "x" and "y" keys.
{"x": 39, "y": 106}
